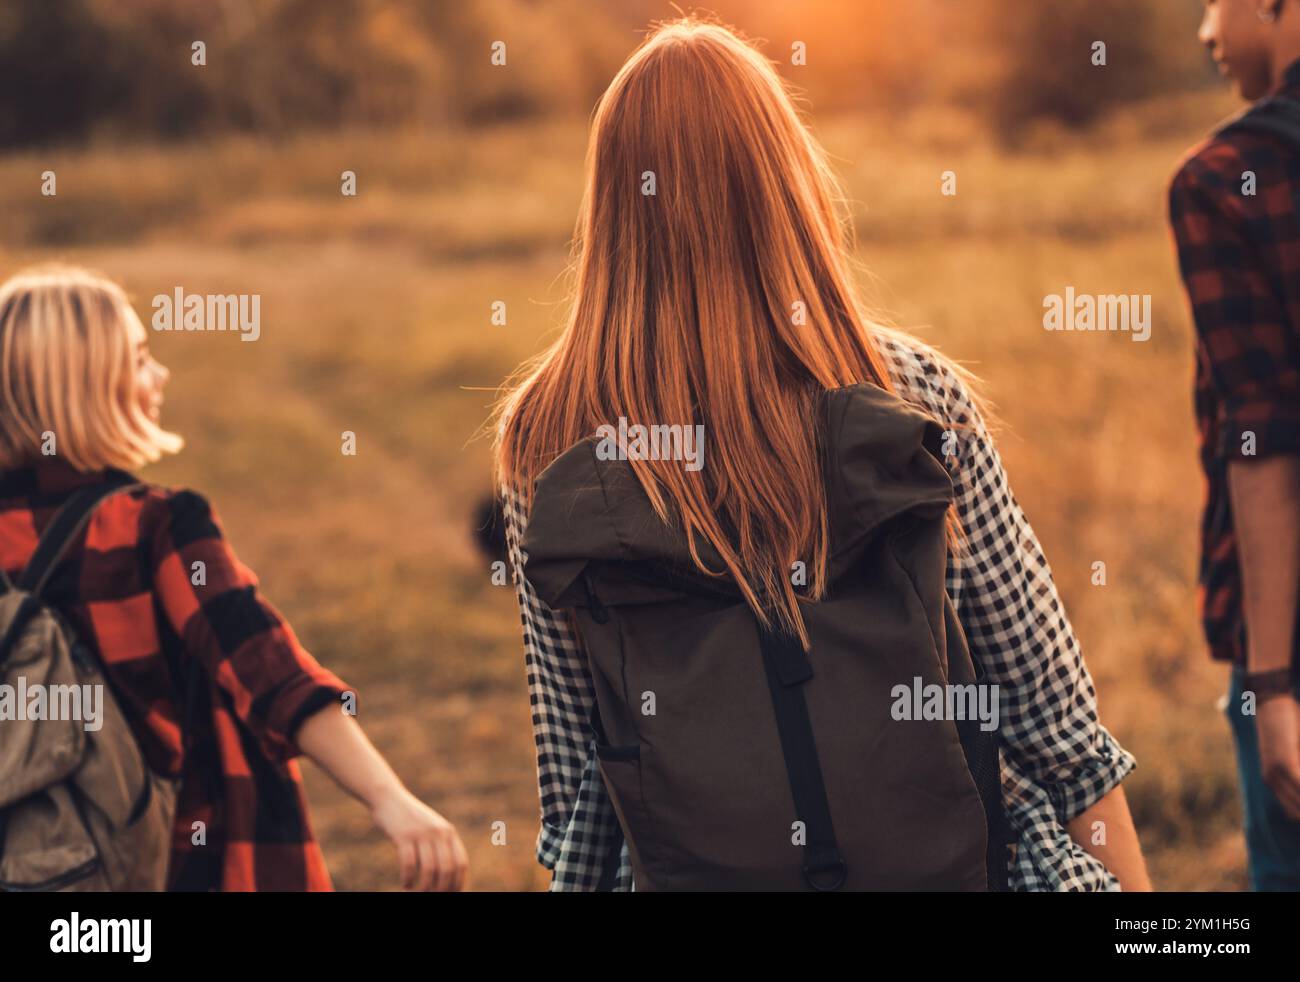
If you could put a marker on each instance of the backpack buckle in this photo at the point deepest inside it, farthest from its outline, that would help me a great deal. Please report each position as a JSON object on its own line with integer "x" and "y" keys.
{"x": 825, "y": 869}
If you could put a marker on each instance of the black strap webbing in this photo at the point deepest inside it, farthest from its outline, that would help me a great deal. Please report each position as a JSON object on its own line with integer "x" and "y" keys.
{"x": 614, "y": 855}
{"x": 788, "y": 669}
{"x": 63, "y": 528}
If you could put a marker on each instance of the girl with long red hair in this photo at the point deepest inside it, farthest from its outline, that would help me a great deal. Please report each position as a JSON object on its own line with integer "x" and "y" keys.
{"x": 713, "y": 287}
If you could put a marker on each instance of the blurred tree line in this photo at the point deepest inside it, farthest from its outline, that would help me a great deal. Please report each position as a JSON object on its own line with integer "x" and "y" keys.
{"x": 73, "y": 70}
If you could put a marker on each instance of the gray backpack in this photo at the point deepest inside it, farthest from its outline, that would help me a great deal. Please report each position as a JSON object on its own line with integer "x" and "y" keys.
{"x": 734, "y": 759}
{"x": 80, "y": 809}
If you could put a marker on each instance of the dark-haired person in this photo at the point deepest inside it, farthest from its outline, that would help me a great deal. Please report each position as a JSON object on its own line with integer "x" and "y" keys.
{"x": 683, "y": 312}
{"x": 1235, "y": 221}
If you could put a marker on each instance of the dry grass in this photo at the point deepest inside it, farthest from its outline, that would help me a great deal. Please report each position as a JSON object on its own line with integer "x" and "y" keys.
{"x": 375, "y": 319}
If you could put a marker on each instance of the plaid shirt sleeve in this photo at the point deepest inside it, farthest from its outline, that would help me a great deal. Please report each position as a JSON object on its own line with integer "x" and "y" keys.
{"x": 1058, "y": 759}
{"x": 1245, "y": 341}
{"x": 579, "y": 832}
{"x": 211, "y": 601}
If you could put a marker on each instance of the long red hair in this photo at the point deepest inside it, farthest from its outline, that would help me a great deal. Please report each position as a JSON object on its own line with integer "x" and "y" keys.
{"x": 723, "y": 298}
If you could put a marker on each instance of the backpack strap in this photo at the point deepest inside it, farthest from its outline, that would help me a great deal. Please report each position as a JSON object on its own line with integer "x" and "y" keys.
{"x": 64, "y": 528}
{"x": 613, "y": 856}
{"x": 788, "y": 668}
{"x": 53, "y": 544}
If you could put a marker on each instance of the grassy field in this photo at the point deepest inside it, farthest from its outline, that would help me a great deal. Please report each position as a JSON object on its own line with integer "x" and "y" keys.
{"x": 375, "y": 319}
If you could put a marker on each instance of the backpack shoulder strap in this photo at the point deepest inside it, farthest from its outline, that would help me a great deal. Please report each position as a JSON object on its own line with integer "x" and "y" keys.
{"x": 64, "y": 528}
{"x": 787, "y": 667}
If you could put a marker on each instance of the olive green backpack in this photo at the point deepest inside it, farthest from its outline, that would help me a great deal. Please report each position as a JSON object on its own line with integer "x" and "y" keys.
{"x": 735, "y": 759}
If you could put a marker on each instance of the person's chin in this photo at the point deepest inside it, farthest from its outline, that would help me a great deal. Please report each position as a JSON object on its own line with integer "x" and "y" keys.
{"x": 1250, "y": 87}
{"x": 1249, "y": 93}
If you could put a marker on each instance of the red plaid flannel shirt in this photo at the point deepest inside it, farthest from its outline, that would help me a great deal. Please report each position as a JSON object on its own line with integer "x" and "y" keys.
{"x": 126, "y": 587}
{"x": 1240, "y": 261}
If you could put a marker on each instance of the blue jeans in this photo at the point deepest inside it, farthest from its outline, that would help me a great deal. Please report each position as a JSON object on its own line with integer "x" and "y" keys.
{"x": 1272, "y": 839}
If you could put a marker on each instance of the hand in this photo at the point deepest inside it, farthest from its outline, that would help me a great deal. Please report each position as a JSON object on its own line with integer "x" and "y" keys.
{"x": 431, "y": 854}
{"x": 1277, "y": 722}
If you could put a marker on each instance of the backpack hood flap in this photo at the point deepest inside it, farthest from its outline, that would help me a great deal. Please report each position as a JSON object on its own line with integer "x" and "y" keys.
{"x": 880, "y": 462}
{"x": 589, "y": 511}
{"x": 567, "y": 502}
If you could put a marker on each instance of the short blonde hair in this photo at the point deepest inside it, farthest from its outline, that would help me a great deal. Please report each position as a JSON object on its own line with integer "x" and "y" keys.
{"x": 66, "y": 368}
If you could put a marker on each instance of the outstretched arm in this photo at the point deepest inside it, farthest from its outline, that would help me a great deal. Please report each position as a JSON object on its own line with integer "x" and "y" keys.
{"x": 287, "y": 701}
{"x": 431, "y": 854}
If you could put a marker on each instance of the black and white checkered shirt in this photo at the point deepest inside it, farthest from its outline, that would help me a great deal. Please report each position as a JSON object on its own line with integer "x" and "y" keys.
{"x": 1057, "y": 758}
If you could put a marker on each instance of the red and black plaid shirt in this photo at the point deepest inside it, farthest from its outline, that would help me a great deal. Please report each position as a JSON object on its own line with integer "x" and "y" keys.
{"x": 127, "y": 587}
{"x": 1240, "y": 260}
